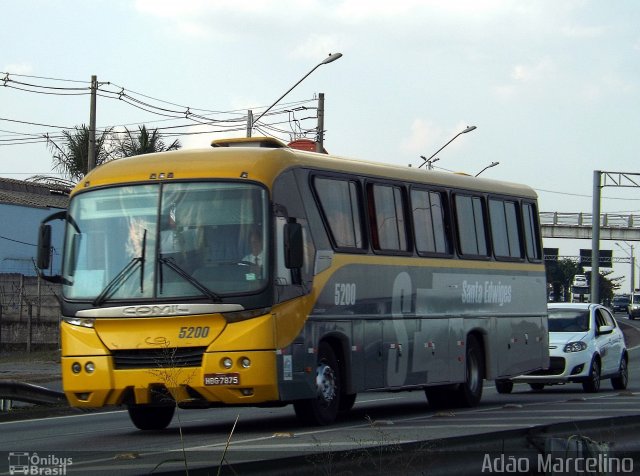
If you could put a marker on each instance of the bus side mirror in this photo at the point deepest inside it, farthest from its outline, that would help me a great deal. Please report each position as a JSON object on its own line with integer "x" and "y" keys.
{"x": 293, "y": 246}
{"x": 44, "y": 246}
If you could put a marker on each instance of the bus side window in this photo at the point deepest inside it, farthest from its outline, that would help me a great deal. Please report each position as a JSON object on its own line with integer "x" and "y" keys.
{"x": 340, "y": 204}
{"x": 430, "y": 222}
{"x": 388, "y": 220}
{"x": 505, "y": 231}
{"x": 471, "y": 229}
{"x": 531, "y": 231}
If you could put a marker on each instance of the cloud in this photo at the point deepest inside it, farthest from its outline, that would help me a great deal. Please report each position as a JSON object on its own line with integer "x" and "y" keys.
{"x": 539, "y": 71}
{"x": 577, "y": 31}
{"x": 316, "y": 47}
{"x": 421, "y": 136}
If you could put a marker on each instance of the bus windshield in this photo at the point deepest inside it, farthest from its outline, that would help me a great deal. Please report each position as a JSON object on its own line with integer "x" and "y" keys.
{"x": 180, "y": 239}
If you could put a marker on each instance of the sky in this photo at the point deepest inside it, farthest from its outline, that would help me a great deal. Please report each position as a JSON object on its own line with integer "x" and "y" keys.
{"x": 553, "y": 86}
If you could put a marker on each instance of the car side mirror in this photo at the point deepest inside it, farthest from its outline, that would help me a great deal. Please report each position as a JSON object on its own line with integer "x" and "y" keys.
{"x": 605, "y": 329}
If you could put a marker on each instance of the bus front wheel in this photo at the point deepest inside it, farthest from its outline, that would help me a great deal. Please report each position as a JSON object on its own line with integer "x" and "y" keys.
{"x": 147, "y": 417}
{"x": 324, "y": 408}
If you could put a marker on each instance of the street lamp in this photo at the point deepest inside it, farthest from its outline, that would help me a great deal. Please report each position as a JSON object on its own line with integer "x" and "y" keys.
{"x": 633, "y": 264}
{"x": 329, "y": 59}
{"x": 492, "y": 164}
{"x": 429, "y": 161}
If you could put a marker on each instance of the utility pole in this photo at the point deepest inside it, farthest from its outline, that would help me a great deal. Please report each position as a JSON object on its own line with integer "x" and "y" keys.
{"x": 91, "y": 159}
{"x": 249, "y": 122}
{"x": 595, "y": 238}
{"x": 320, "y": 135}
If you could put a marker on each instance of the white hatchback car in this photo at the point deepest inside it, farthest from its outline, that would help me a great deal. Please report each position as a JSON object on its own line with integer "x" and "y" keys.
{"x": 586, "y": 345}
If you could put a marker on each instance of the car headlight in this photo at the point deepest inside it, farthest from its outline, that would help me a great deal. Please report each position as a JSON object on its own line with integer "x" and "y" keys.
{"x": 575, "y": 346}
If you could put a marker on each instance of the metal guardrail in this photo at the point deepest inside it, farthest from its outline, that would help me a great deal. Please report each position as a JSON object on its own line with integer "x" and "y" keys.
{"x": 609, "y": 220}
{"x": 12, "y": 390}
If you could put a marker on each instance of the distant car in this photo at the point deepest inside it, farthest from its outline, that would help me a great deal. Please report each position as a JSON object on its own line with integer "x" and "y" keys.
{"x": 633, "y": 309}
{"x": 580, "y": 280}
{"x": 585, "y": 346}
{"x": 620, "y": 303}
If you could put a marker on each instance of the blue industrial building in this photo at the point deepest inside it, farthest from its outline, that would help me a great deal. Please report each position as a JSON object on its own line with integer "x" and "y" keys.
{"x": 23, "y": 205}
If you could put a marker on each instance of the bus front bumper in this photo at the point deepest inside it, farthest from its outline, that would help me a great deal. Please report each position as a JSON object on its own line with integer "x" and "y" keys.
{"x": 248, "y": 378}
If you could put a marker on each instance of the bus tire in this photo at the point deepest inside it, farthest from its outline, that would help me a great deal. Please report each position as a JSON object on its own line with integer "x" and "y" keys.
{"x": 324, "y": 408}
{"x": 148, "y": 417}
{"x": 469, "y": 392}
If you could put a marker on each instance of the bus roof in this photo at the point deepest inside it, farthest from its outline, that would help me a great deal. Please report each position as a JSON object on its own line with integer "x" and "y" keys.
{"x": 264, "y": 164}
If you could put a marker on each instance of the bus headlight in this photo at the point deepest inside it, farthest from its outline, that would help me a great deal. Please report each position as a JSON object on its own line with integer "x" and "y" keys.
{"x": 79, "y": 321}
{"x": 245, "y": 362}
{"x": 227, "y": 363}
{"x": 76, "y": 368}
{"x": 90, "y": 367}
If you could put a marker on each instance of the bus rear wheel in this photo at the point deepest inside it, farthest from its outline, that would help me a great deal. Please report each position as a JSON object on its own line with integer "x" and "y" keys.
{"x": 324, "y": 408}
{"x": 469, "y": 393}
{"x": 147, "y": 417}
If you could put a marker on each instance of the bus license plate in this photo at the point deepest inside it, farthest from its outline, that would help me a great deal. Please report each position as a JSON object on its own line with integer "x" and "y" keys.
{"x": 222, "y": 379}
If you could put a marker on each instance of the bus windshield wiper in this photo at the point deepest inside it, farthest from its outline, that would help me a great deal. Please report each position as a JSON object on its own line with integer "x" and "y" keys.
{"x": 124, "y": 274}
{"x": 117, "y": 281}
{"x": 170, "y": 262}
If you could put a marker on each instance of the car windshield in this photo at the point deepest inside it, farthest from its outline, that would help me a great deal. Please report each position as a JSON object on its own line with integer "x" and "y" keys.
{"x": 182, "y": 239}
{"x": 620, "y": 300}
{"x": 568, "y": 320}
{"x": 636, "y": 299}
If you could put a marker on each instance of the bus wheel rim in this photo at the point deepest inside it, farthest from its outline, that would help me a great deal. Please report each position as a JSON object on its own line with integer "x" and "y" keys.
{"x": 326, "y": 384}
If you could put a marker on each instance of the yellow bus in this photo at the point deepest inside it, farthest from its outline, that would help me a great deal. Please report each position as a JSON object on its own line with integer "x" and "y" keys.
{"x": 255, "y": 274}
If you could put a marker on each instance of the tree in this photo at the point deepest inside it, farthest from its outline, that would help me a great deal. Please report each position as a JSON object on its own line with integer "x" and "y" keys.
{"x": 144, "y": 142}
{"x": 560, "y": 274}
{"x": 71, "y": 158}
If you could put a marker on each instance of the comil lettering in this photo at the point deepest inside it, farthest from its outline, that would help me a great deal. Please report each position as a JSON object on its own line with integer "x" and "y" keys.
{"x": 168, "y": 310}
{"x": 486, "y": 293}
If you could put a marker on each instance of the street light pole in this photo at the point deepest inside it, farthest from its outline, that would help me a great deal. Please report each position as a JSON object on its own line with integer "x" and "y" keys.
{"x": 492, "y": 164}
{"x": 329, "y": 59}
{"x": 429, "y": 162}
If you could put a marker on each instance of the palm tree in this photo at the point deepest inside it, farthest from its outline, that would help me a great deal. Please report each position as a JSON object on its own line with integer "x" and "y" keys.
{"x": 144, "y": 142}
{"x": 72, "y": 157}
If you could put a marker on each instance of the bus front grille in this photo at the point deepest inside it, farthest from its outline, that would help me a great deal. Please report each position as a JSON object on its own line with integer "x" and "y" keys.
{"x": 158, "y": 358}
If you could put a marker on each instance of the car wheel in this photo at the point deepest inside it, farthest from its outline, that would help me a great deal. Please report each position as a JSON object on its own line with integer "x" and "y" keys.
{"x": 504, "y": 386}
{"x": 620, "y": 381}
{"x": 536, "y": 386}
{"x": 592, "y": 384}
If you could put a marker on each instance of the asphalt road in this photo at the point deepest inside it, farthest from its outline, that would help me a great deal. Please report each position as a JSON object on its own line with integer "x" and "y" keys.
{"x": 385, "y": 433}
